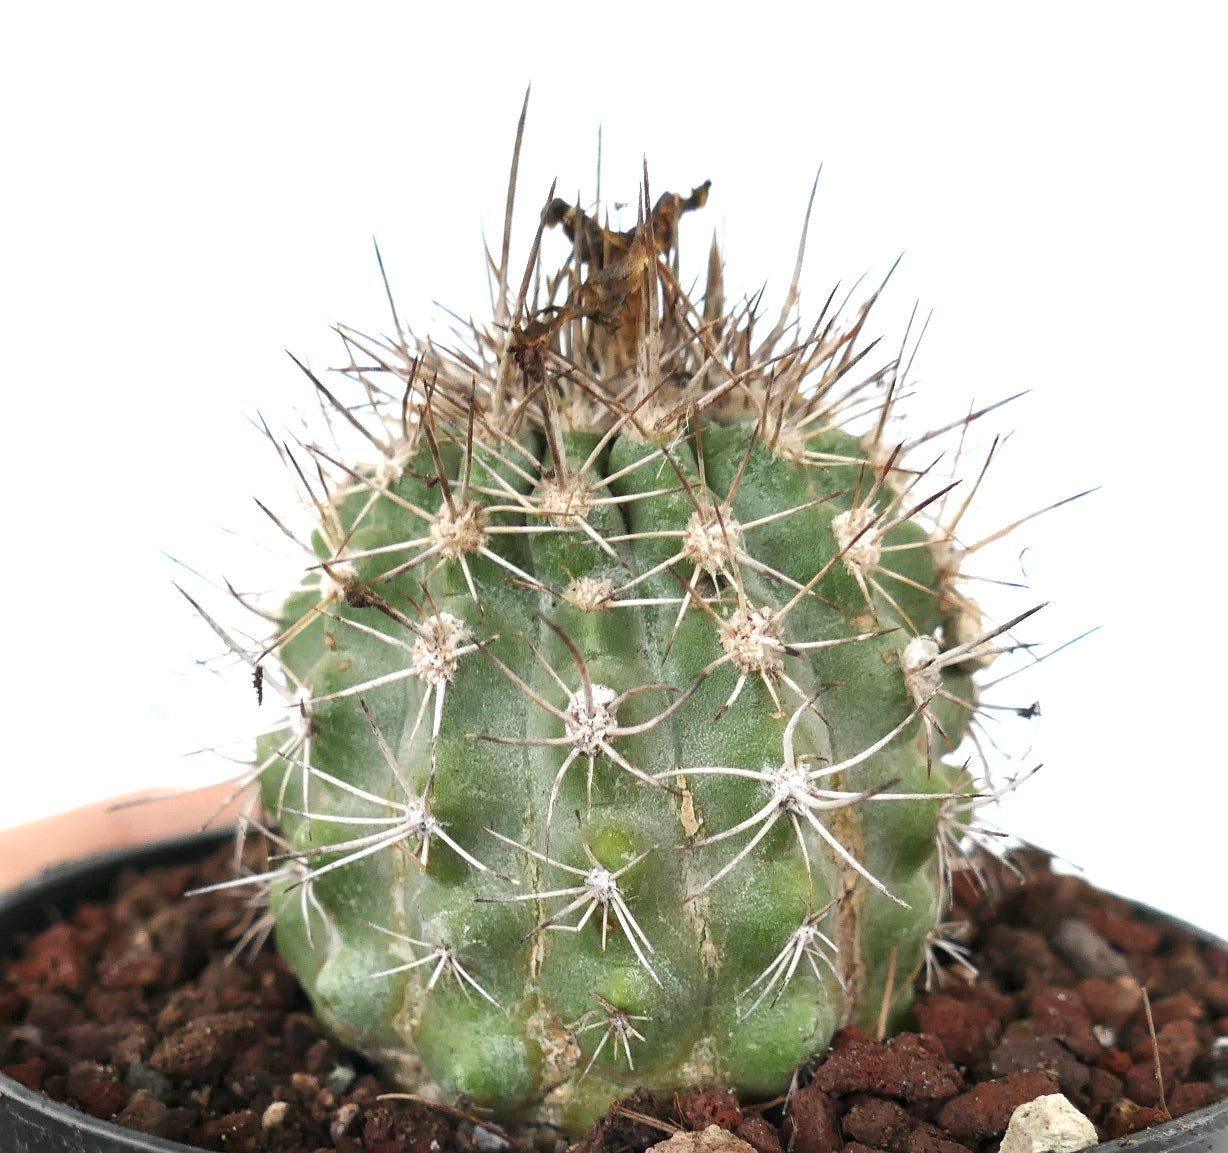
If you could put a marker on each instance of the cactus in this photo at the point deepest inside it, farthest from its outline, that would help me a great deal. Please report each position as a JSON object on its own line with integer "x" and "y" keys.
{"x": 621, "y": 691}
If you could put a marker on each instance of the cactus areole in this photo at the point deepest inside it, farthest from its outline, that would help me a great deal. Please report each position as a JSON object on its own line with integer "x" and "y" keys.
{"x": 621, "y": 691}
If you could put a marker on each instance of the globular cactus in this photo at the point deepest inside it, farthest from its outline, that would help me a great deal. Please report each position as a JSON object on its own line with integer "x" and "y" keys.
{"x": 622, "y": 688}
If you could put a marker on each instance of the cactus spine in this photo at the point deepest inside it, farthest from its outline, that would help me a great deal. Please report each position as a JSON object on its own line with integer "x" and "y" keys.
{"x": 620, "y": 688}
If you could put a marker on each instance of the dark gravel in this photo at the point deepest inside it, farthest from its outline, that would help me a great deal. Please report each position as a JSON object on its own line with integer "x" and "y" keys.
{"x": 131, "y": 1011}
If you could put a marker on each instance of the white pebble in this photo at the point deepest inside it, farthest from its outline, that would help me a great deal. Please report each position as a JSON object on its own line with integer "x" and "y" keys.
{"x": 1050, "y": 1124}
{"x": 713, "y": 1139}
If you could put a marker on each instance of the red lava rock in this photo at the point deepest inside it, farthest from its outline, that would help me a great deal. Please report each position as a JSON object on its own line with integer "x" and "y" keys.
{"x": 1191, "y": 1095}
{"x": 238, "y": 1131}
{"x": 1003, "y": 1006}
{"x": 11, "y": 1004}
{"x": 299, "y": 1032}
{"x": 1021, "y": 1050}
{"x": 1022, "y": 954}
{"x": 1128, "y": 1117}
{"x": 252, "y": 1064}
{"x": 109, "y": 1005}
{"x": 145, "y": 1113}
{"x": 912, "y": 1066}
{"x": 1061, "y": 1013}
{"x": 135, "y": 1044}
{"x": 985, "y": 1110}
{"x": 202, "y": 1048}
{"x": 881, "y": 1124}
{"x": 967, "y": 1028}
{"x": 1141, "y": 1084}
{"x": 53, "y": 960}
{"x": 278, "y": 988}
{"x": 1181, "y": 1006}
{"x": 928, "y": 1140}
{"x": 305, "y": 1084}
{"x": 322, "y": 1104}
{"x": 184, "y": 1004}
{"x": 97, "y": 1093}
{"x": 700, "y": 1108}
{"x": 1115, "y": 1061}
{"x": 1213, "y": 990}
{"x": 810, "y": 1125}
{"x": 1183, "y": 965}
{"x": 28, "y": 1073}
{"x": 1103, "y": 1088}
{"x": 132, "y": 971}
{"x": 321, "y": 1057}
{"x": 1178, "y": 1046}
{"x": 53, "y": 1011}
{"x": 758, "y": 1134}
{"x": 1111, "y": 1003}
{"x": 98, "y": 1042}
{"x": 1132, "y": 936}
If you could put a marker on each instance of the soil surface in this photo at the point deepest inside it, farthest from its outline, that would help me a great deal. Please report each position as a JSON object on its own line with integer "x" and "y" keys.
{"x": 132, "y": 1011}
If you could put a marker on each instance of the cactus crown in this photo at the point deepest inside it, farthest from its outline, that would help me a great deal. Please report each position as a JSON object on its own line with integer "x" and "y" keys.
{"x": 618, "y": 691}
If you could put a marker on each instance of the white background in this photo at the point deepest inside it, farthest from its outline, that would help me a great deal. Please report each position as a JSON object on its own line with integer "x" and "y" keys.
{"x": 191, "y": 190}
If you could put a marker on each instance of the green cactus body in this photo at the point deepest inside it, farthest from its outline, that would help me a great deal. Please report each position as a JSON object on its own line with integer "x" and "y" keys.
{"x": 608, "y": 763}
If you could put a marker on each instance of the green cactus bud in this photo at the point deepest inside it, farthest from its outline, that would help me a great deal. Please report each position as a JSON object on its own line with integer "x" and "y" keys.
{"x": 621, "y": 696}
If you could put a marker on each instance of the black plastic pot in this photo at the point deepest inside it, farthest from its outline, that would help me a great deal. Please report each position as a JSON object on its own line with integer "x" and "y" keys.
{"x": 32, "y": 1123}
